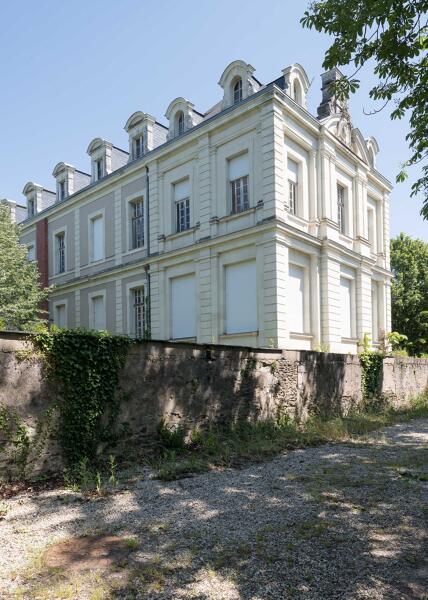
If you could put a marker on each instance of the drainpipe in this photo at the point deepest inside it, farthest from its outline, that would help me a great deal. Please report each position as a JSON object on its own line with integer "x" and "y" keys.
{"x": 147, "y": 267}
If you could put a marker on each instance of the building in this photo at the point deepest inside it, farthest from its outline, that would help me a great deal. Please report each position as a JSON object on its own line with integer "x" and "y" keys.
{"x": 255, "y": 223}
{"x": 18, "y": 212}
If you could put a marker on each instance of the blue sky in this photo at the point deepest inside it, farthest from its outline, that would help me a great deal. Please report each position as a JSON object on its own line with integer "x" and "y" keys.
{"x": 75, "y": 70}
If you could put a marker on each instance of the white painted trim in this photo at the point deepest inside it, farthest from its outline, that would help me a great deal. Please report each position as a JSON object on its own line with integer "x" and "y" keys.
{"x": 56, "y": 232}
{"x": 93, "y": 215}
{"x": 63, "y": 302}
{"x": 92, "y": 295}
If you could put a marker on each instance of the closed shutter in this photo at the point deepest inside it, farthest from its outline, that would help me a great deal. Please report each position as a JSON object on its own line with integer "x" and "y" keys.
{"x": 346, "y": 306}
{"x": 296, "y": 303}
{"x": 238, "y": 167}
{"x": 183, "y": 307}
{"x": 97, "y": 238}
{"x": 293, "y": 170}
{"x": 181, "y": 190}
{"x": 60, "y": 316}
{"x": 241, "y": 298}
{"x": 375, "y": 311}
{"x": 98, "y": 313}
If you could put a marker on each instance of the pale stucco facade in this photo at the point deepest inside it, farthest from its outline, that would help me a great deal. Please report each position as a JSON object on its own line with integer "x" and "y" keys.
{"x": 257, "y": 224}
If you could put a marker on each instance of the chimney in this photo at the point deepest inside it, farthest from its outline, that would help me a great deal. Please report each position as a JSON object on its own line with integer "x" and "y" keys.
{"x": 329, "y": 104}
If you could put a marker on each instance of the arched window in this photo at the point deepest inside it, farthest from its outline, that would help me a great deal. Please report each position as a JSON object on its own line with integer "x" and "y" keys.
{"x": 180, "y": 123}
{"x": 297, "y": 92}
{"x": 237, "y": 91}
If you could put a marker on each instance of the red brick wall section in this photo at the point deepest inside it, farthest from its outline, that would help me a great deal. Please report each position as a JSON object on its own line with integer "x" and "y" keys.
{"x": 42, "y": 255}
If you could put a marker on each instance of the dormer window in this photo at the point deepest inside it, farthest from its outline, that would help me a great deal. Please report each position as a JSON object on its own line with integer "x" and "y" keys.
{"x": 138, "y": 146}
{"x": 180, "y": 123}
{"x": 99, "y": 168}
{"x": 237, "y": 91}
{"x": 61, "y": 190}
{"x": 30, "y": 207}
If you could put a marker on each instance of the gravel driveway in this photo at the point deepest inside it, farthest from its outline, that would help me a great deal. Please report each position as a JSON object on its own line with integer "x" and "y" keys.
{"x": 345, "y": 521}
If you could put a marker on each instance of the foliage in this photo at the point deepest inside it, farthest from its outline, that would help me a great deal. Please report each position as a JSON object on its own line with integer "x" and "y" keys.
{"x": 20, "y": 293}
{"x": 84, "y": 365}
{"x": 170, "y": 437}
{"x": 371, "y": 363}
{"x": 409, "y": 265}
{"x": 394, "y": 35}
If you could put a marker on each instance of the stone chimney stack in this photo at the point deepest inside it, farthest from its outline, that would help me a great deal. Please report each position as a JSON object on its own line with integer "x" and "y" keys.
{"x": 329, "y": 104}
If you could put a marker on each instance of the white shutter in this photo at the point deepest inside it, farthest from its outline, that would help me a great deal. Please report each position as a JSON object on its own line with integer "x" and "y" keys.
{"x": 98, "y": 313}
{"x": 183, "y": 307}
{"x": 375, "y": 311}
{"x": 241, "y": 298}
{"x": 346, "y": 306}
{"x": 182, "y": 190}
{"x": 238, "y": 167}
{"x": 60, "y": 316}
{"x": 296, "y": 304}
{"x": 97, "y": 226}
{"x": 31, "y": 252}
{"x": 293, "y": 170}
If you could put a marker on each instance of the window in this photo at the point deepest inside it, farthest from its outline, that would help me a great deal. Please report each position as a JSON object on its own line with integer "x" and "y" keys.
{"x": 61, "y": 190}
{"x": 99, "y": 168}
{"x": 30, "y": 208}
{"x": 137, "y": 224}
{"x": 180, "y": 123}
{"x": 138, "y": 309}
{"x": 371, "y": 228}
{"x": 138, "y": 147}
{"x": 297, "y": 92}
{"x": 341, "y": 209}
{"x": 182, "y": 205}
{"x": 375, "y": 311}
{"x": 241, "y": 298}
{"x": 97, "y": 238}
{"x": 237, "y": 91}
{"x": 31, "y": 252}
{"x": 183, "y": 307}
{"x": 97, "y": 315}
{"x": 60, "y": 315}
{"x": 60, "y": 252}
{"x": 292, "y": 169}
{"x": 346, "y": 307}
{"x": 238, "y": 178}
{"x": 296, "y": 305}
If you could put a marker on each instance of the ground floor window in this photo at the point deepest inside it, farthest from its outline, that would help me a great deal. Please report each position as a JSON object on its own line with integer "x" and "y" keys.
{"x": 241, "y": 298}
{"x": 139, "y": 312}
{"x": 183, "y": 307}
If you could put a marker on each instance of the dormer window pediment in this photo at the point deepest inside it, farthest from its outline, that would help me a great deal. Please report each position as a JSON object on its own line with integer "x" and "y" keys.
{"x": 144, "y": 133}
{"x": 182, "y": 116}
{"x": 238, "y": 83}
{"x": 296, "y": 83}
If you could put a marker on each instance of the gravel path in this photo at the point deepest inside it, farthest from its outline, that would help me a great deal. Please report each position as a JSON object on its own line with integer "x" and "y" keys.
{"x": 344, "y": 521}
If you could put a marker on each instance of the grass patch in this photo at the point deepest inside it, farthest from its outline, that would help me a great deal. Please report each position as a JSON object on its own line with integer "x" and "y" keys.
{"x": 253, "y": 442}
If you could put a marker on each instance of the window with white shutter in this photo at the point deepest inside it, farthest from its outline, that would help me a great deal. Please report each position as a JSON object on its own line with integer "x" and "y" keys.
{"x": 292, "y": 173}
{"x": 346, "y": 307}
{"x": 60, "y": 317}
{"x": 97, "y": 238}
{"x": 296, "y": 303}
{"x": 97, "y": 315}
{"x": 238, "y": 182}
{"x": 241, "y": 298}
{"x": 183, "y": 307}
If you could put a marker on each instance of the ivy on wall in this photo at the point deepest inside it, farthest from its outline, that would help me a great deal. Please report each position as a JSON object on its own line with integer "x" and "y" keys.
{"x": 372, "y": 364}
{"x": 84, "y": 366}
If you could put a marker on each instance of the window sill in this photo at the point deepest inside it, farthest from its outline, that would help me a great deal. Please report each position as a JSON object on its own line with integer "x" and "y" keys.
{"x": 301, "y": 336}
{"x": 188, "y": 340}
{"x": 233, "y": 216}
{"x": 133, "y": 250}
{"x": 58, "y": 275}
{"x": 343, "y": 237}
{"x": 239, "y": 334}
{"x": 300, "y": 220}
{"x": 179, "y": 234}
{"x": 345, "y": 340}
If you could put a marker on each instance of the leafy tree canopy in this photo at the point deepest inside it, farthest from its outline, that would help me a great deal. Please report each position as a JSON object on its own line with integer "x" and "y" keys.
{"x": 20, "y": 292}
{"x": 394, "y": 34}
{"x": 409, "y": 264}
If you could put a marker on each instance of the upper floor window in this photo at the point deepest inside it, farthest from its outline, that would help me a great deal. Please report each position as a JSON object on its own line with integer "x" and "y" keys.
{"x": 237, "y": 91}
{"x": 31, "y": 208}
{"x": 137, "y": 224}
{"x": 182, "y": 205}
{"x": 99, "y": 168}
{"x": 31, "y": 252}
{"x": 138, "y": 309}
{"x": 180, "y": 123}
{"x": 292, "y": 173}
{"x": 60, "y": 252}
{"x": 138, "y": 147}
{"x": 96, "y": 230}
{"x": 238, "y": 181}
{"x": 341, "y": 209}
{"x": 61, "y": 190}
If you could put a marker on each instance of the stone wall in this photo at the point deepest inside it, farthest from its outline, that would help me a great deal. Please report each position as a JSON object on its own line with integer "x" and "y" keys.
{"x": 194, "y": 385}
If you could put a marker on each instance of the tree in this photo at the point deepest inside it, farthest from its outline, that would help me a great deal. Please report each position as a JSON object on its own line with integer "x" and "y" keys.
{"x": 20, "y": 293}
{"x": 409, "y": 265}
{"x": 393, "y": 34}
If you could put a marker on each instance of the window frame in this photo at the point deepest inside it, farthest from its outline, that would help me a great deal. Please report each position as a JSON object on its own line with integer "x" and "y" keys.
{"x": 138, "y": 146}
{"x": 180, "y": 122}
{"x": 55, "y": 306}
{"x": 182, "y": 206}
{"x": 96, "y": 294}
{"x": 237, "y": 91}
{"x": 133, "y": 218}
{"x": 301, "y": 262}
{"x": 92, "y": 217}
{"x": 345, "y": 274}
{"x": 99, "y": 170}
{"x": 239, "y": 187}
{"x": 341, "y": 208}
{"x": 31, "y": 203}
{"x": 61, "y": 190}
{"x": 60, "y": 252}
